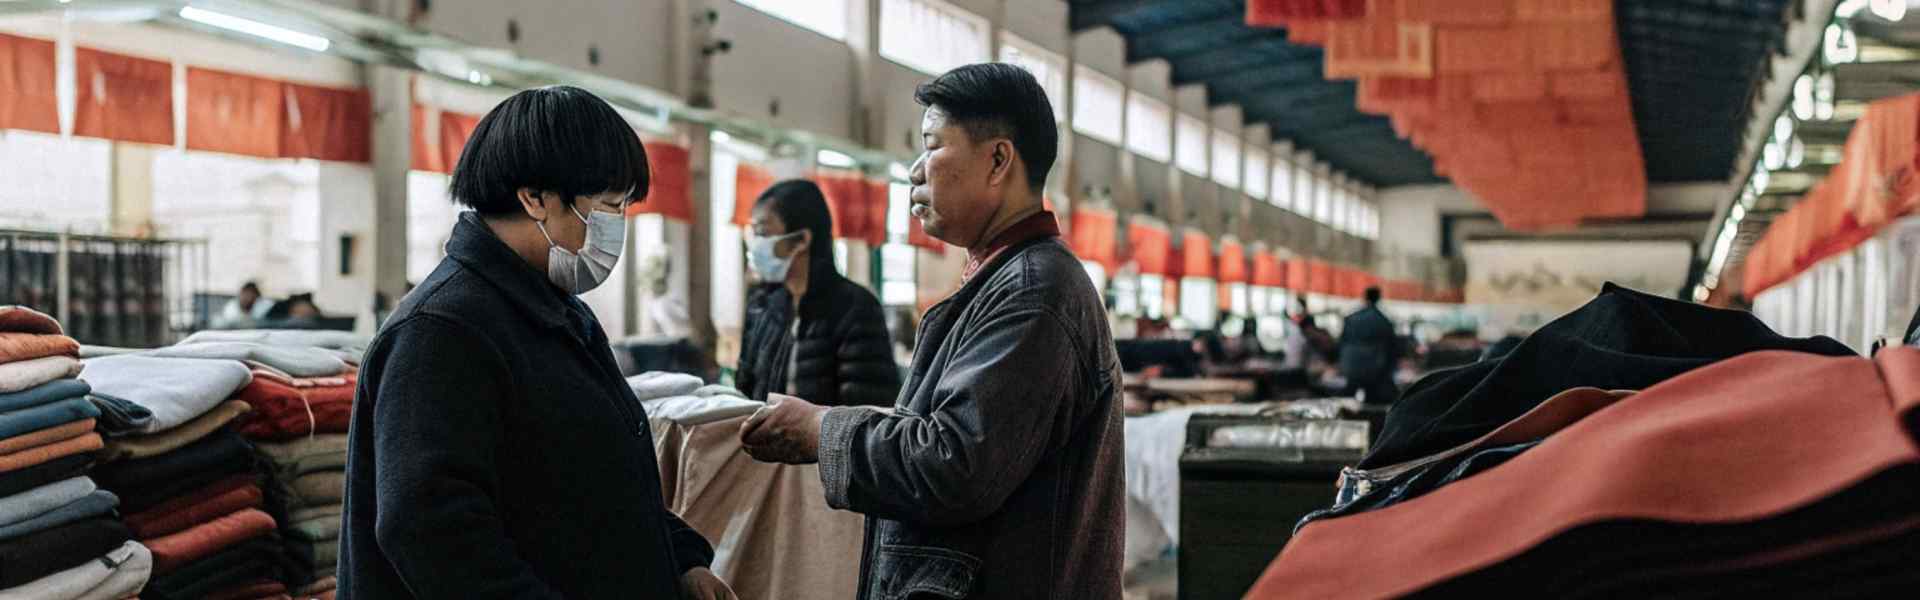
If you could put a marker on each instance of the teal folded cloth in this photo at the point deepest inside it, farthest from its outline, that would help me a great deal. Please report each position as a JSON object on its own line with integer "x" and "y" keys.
{"x": 41, "y": 499}
{"x": 61, "y": 412}
{"x": 45, "y": 393}
{"x": 100, "y": 502}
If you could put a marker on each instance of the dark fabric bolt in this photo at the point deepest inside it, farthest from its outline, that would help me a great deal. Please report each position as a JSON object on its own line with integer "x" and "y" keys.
{"x": 119, "y": 417}
{"x": 494, "y": 452}
{"x": 845, "y": 356}
{"x": 100, "y": 502}
{"x": 1622, "y": 339}
{"x": 48, "y": 551}
{"x": 14, "y": 482}
{"x": 262, "y": 557}
{"x": 142, "y": 483}
{"x": 1001, "y": 473}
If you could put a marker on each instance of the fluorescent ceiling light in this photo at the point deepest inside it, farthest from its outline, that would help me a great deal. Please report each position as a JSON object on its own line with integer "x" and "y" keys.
{"x": 257, "y": 29}
{"x": 720, "y": 137}
{"x": 835, "y": 159}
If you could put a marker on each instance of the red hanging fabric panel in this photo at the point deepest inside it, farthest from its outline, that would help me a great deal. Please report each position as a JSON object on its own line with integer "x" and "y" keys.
{"x": 426, "y": 144}
{"x": 1299, "y": 275}
{"x": 1274, "y": 13}
{"x": 455, "y": 130}
{"x": 1267, "y": 271}
{"x": 327, "y": 124}
{"x": 234, "y": 113}
{"x": 749, "y": 181}
{"x": 1197, "y": 251}
{"x": 877, "y": 203}
{"x": 670, "y": 194}
{"x": 1152, "y": 248}
{"x": 1320, "y": 278}
{"x": 850, "y": 200}
{"x": 27, "y": 98}
{"x": 1092, "y": 237}
{"x": 1233, "y": 262}
{"x": 122, "y": 98}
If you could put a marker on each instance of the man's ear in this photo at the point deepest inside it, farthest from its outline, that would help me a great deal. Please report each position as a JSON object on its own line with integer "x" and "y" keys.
{"x": 534, "y": 202}
{"x": 1003, "y": 161}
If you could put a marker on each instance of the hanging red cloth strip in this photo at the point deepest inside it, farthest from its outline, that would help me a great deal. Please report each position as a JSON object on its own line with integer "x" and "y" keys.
{"x": 749, "y": 181}
{"x": 1092, "y": 236}
{"x": 27, "y": 98}
{"x": 1233, "y": 262}
{"x": 671, "y": 194}
{"x": 1152, "y": 248}
{"x": 1320, "y": 277}
{"x": 1299, "y": 274}
{"x": 1197, "y": 250}
{"x": 326, "y": 124}
{"x": 426, "y": 145}
{"x": 122, "y": 98}
{"x": 1275, "y": 13}
{"x": 1267, "y": 270}
{"x": 859, "y": 209}
{"x": 455, "y": 130}
{"x": 234, "y": 113}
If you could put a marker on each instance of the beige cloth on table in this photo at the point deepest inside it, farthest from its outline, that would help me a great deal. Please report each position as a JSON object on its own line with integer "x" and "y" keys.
{"x": 155, "y": 444}
{"x": 772, "y": 532}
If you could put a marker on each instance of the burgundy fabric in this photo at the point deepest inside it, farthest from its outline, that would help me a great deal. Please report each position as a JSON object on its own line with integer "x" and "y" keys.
{"x": 182, "y": 502}
{"x": 174, "y": 551}
{"x": 150, "y": 524}
{"x": 20, "y": 319}
{"x": 281, "y": 411}
{"x": 1746, "y": 438}
{"x": 1041, "y": 224}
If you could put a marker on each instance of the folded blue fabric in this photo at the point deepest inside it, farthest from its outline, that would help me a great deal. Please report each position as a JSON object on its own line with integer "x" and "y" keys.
{"x": 98, "y": 503}
{"x": 39, "y": 500}
{"x": 27, "y": 420}
{"x": 118, "y": 417}
{"x": 46, "y": 393}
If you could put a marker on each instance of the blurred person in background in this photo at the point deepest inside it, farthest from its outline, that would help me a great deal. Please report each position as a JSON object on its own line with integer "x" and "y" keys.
{"x": 495, "y": 450}
{"x": 1370, "y": 352}
{"x": 999, "y": 473}
{"x": 245, "y": 310}
{"x": 809, "y": 331}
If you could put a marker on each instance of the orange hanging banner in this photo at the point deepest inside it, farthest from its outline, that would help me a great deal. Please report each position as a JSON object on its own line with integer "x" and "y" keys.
{"x": 1152, "y": 248}
{"x": 426, "y": 144}
{"x": 1197, "y": 251}
{"x": 27, "y": 98}
{"x": 234, "y": 113}
{"x": 455, "y": 130}
{"x": 1092, "y": 236}
{"x": 749, "y": 181}
{"x": 122, "y": 98}
{"x": 1267, "y": 270}
{"x": 327, "y": 124}
{"x": 1233, "y": 262}
{"x": 670, "y": 194}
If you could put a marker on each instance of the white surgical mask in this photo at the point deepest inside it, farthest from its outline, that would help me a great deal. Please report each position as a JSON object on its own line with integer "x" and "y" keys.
{"x": 766, "y": 264}
{"x": 578, "y": 273}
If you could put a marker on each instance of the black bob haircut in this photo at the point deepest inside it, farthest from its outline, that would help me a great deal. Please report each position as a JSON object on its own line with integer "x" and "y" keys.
{"x": 1373, "y": 295}
{"x": 800, "y": 205}
{"x": 559, "y": 139}
{"x": 993, "y": 100}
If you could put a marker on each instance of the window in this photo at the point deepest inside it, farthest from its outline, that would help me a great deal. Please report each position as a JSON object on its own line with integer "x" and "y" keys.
{"x": 1303, "y": 178}
{"x": 1190, "y": 144}
{"x": 1126, "y": 295}
{"x": 1226, "y": 158}
{"x": 1149, "y": 127}
{"x": 1199, "y": 303}
{"x": 1322, "y": 199}
{"x": 1342, "y": 210}
{"x": 1257, "y": 173}
{"x": 1049, "y": 68}
{"x": 1153, "y": 296}
{"x": 1282, "y": 184}
{"x": 825, "y": 17}
{"x": 931, "y": 36}
{"x": 1097, "y": 101}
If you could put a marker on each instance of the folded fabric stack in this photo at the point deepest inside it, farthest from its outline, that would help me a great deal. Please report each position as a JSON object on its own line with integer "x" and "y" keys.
{"x": 59, "y": 538}
{"x": 190, "y": 487}
{"x": 1638, "y": 447}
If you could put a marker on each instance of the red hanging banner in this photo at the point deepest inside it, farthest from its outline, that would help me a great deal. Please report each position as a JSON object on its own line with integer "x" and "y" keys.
{"x": 670, "y": 194}
{"x": 1092, "y": 236}
{"x": 426, "y": 146}
{"x": 234, "y": 113}
{"x": 1233, "y": 262}
{"x": 1267, "y": 271}
{"x": 27, "y": 98}
{"x": 327, "y": 124}
{"x": 749, "y": 181}
{"x": 455, "y": 130}
{"x": 1197, "y": 250}
{"x": 122, "y": 98}
{"x": 1152, "y": 248}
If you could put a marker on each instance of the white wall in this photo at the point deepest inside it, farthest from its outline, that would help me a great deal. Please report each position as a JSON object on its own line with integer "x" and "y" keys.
{"x": 808, "y": 74}
{"x": 633, "y": 37}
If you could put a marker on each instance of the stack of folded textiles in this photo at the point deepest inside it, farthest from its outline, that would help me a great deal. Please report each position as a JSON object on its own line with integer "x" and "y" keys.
{"x": 190, "y": 486}
{"x": 59, "y": 538}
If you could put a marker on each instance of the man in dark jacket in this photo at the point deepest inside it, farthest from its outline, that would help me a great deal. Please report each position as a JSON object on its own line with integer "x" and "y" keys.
{"x": 1369, "y": 352}
{"x": 831, "y": 346}
{"x": 999, "y": 472}
{"x": 495, "y": 451}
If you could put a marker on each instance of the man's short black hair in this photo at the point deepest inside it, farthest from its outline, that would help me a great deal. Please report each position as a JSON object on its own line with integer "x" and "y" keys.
{"x": 800, "y": 205}
{"x": 559, "y": 139}
{"x": 992, "y": 100}
{"x": 250, "y": 287}
{"x": 1373, "y": 295}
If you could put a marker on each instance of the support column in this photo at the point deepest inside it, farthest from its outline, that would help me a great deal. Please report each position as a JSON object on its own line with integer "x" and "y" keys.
{"x": 392, "y": 155}
{"x": 700, "y": 238}
{"x": 131, "y": 213}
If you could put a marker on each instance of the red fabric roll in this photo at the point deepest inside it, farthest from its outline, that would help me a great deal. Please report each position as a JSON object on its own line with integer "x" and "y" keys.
{"x": 174, "y": 551}
{"x": 150, "y": 524}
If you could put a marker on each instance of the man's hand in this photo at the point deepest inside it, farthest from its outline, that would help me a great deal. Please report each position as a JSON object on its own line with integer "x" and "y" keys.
{"x": 701, "y": 584}
{"x": 786, "y": 430}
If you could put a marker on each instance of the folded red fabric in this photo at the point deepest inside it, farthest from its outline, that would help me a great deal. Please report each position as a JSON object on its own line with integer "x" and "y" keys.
{"x": 20, "y": 319}
{"x": 174, "y": 551}
{"x": 204, "y": 494}
{"x": 148, "y": 524}
{"x": 22, "y": 459}
{"x": 283, "y": 411}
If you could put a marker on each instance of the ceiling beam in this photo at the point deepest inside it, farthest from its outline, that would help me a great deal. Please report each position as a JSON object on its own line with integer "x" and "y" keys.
{"x": 1089, "y": 15}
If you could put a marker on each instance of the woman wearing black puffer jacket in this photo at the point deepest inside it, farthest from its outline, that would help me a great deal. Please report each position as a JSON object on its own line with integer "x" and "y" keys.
{"x": 810, "y": 332}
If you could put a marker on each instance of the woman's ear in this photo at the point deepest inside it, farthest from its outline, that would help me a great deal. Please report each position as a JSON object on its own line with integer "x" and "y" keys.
{"x": 534, "y": 202}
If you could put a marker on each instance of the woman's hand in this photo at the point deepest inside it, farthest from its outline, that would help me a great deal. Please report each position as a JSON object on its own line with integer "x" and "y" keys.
{"x": 701, "y": 584}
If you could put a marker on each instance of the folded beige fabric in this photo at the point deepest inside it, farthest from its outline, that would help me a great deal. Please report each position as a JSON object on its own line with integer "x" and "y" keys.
{"x": 173, "y": 439}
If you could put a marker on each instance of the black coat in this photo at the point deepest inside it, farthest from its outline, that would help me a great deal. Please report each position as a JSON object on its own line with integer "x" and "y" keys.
{"x": 1368, "y": 347}
{"x": 844, "y": 355}
{"x": 1000, "y": 473}
{"x": 496, "y": 452}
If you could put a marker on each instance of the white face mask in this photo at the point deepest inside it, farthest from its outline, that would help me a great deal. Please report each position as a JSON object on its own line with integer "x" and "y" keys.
{"x": 766, "y": 264}
{"x": 579, "y": 273}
